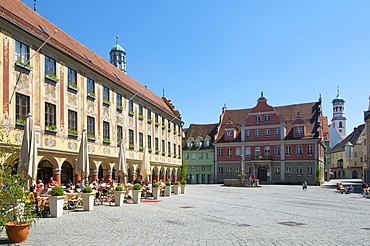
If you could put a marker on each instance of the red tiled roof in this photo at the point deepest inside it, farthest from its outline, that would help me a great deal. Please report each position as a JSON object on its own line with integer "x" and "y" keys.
{"x": 20, "y": 14}
{"x": 309, "y": 112}
{"x": 199, "y": 130}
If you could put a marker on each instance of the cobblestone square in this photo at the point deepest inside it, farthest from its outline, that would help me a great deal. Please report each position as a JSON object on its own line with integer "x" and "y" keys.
{"x": 218, "y": 215}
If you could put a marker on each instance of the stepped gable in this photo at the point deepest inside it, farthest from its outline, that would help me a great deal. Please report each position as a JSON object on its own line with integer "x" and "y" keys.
{"x": 309, "y": 112}
{"x": 23, "y": 16}
{"x": 351, "y": 138}
{"x": 199, "y": 131}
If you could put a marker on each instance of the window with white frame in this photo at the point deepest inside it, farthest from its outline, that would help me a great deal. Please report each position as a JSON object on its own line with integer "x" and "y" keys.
{"x": 208, "y": 155}
{"x": 257, "y": 133}
{"x": 299, "y": 130}
{"x": 247, "y": 134}
{"x": 310, "y": 170}
{"x": 237, "y": 152}
{"x": 203, "y": 168}
{"x": 288, "y": 150}
{"x": 188, "y": 144}
{"x": 22, "y": 52}
{"x": 187, "y": 156}
{"x": 267, "y": 151}
{"x": 267, "y": 132}
{"x": 197, "y": 144}
{"x": 193, "y": 168}
{"x": 229, "y": 170}
{"x": 288, "y": 170}
{"x": 220, "y": 152}
{"x": 257, "y": 151}
{"x": 277, "y": 170}
{"x": 229, "y": 134}
{"x": 209, "y": 168}
{"x": 229, "y": 152}
{"x": 277, "y": 150}
{"x": 198, "y": 168}
{"x": 200, "y": 156}
{"x": 257, "y": 119}
{"x": 309, "y": 149}
{"x": 193, "y": 156}
{"x": 247, "y": 151}
{"x": 298, "y": 150}
{"x": 277, "y": 132}
{"x": 206, "y": 143}
{"x": 299, "y": 170}
{"x": 220, "y": 170}
{"x": 267, "y": 118}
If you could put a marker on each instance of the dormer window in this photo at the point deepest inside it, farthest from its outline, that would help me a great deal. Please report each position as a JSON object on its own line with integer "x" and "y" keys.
{"x": 299, "y": 131}
{"x": 229, "y": 134}
{"x": 267, "y": 118}
{"x": 257, "y": 119}
{"x": 188, "y": 144}
{"x": 197, "y": 144}
{"x": 206, "y": 143}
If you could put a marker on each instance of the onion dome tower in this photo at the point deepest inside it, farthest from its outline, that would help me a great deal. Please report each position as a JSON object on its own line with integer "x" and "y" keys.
{"x": 339, "y": 121}
{"x": 118, "y": 56}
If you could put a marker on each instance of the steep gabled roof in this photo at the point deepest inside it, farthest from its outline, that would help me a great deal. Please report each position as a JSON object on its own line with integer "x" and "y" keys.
{"x": 309, "y": 112}
{"x": 199, "y": 130}
{"x": 20, "y": 14}
{"x": 351, "y": 138}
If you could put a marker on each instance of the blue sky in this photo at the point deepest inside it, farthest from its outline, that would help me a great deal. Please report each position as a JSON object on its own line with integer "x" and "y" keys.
{"x": 209, "y": 53}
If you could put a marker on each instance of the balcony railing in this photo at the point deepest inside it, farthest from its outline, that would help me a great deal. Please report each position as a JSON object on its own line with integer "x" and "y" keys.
{"x": 262, "y": 157}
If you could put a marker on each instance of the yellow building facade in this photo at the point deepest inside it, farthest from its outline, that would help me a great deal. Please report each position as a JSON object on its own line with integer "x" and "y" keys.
{"x": 67, "y": 88}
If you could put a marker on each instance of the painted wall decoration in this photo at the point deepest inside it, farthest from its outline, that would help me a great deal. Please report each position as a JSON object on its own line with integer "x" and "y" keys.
{"x": 49, "y": 142}
{"x": 72, "y": 146}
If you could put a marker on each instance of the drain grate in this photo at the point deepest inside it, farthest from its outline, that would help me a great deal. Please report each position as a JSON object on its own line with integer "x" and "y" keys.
{"x": 291, "y": 223}
{"x": 366, "y": 228}
{"x": 186, "y": 207}
{"x": 242, "y": 225}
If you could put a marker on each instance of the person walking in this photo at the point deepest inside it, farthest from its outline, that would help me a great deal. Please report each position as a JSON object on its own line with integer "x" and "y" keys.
{"x": 304, "y": 186}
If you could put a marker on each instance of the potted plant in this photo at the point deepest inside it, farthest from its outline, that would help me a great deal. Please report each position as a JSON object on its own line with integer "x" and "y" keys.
{"x": 119, "y": 195}
{"x": 183, "y": 186}
{"x": 136, "y": 193}
{"x": 168, "y": 188}
{"x": 88, "y": 198}
{"x": 156, "y": 190}
{"x": 17, "y": 212}
{"x": 56, "y": 201}
{"x": 176, "y": 188}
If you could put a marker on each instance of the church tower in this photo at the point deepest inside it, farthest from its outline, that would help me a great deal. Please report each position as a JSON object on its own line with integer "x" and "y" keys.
{"x": 118, "y": 56}
{"x": 338, "y": 121}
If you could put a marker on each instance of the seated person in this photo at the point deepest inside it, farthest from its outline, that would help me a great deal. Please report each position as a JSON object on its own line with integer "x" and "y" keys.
{"x": 85, "y": 184}
{"x": 95, "y": 184}
{"x": 337, "y": 186}
{"x": 39, "y": 185}
{"x": 32, "y": 194}
{"x": 46, "y": 191}
{"x": 69, "y": 186}
{"x": 52, "y": 183}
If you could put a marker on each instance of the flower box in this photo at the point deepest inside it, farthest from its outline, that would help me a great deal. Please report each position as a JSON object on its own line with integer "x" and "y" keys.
{"x": 131, "y": 113}
{"x": 106, "y": 102}
{"x": 91, "y": 95}
{"x": 23, "y": 65}
{"x": 72, "y": 87}
{"x": 51, "y": 77}
{"x": 119, "y": 107}
{"x": 21, "y": 122}
{"x": 106, "y": 140}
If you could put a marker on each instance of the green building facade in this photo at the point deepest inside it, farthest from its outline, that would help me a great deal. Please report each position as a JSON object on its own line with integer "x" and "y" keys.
{"x": 198, "y": 153}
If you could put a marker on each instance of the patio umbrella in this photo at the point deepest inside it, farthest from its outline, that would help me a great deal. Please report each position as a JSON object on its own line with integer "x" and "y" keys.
{"x": 28, "y": 165}
{"x": 145, "y": 165}
{"x": 122, "y": 170}
{"x": 83, "y": 167}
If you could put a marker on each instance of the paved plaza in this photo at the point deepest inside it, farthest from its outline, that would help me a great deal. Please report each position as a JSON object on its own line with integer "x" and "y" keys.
{"x": 218, "y": 215}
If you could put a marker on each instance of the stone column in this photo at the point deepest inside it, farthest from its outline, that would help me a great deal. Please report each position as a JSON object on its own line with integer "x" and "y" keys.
{"x": 57, "y": 176}
{"x": 109, "y": 175}
{"x": 95, "y": 175}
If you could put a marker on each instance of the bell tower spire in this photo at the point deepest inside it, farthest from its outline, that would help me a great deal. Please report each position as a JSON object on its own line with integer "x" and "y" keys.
{"x": 118, "y": 56}
{"x": 339, "y": 120}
